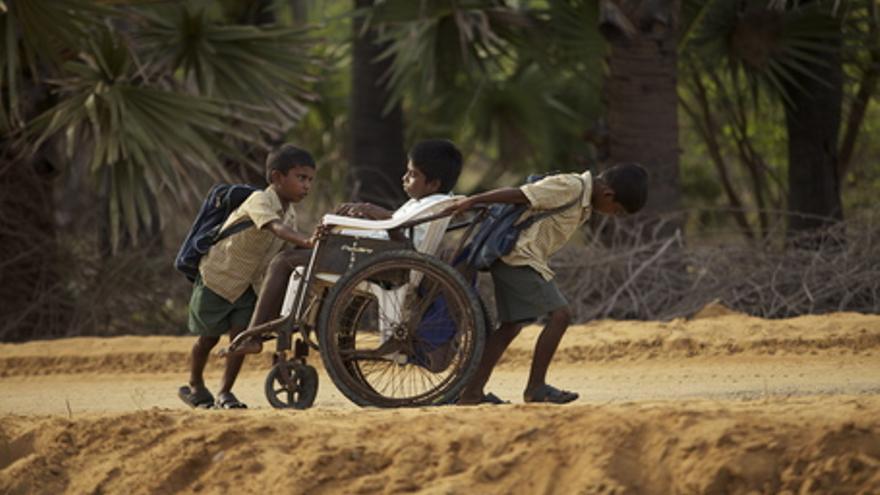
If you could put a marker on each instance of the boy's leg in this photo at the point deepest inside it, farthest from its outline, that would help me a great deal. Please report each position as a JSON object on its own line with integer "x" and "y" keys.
{"x": 496, "y": 344}
{"x": 233, "y": 365}
{"x": 208, "y": 314}
{"x": 243, "y": 310}
{"x": 548, "y": 342}
{"x": 275, "y": 285}
{"x": 199, "y": 358}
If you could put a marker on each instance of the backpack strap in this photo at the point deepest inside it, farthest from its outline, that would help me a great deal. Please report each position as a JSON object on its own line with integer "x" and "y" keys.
{"x": 228, "y": 200}
{"x": 233, "y": 229}
{"x": 544, "y": 214}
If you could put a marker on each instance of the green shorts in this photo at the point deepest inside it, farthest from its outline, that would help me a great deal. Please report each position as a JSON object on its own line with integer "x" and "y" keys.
{"x": 212, "y": 316}
{"x": 522, "y": 295}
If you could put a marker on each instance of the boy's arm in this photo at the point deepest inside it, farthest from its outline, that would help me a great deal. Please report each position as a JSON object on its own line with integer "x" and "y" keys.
{"x": 503, "y": 195}
{"x": 364, "y": 210}
{"x": 283, "y": 231}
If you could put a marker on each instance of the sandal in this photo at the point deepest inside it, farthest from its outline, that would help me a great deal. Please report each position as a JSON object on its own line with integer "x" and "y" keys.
{"x": 228, "y": 401}
{"x": 491, "y": 398}
{"x": 550, "y": 394}
{"x": 198, "y": 397}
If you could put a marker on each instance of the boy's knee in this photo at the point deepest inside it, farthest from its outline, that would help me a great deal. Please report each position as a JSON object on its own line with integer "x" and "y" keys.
{"x": 561, "y": 316}
{"x": 206, "y": 343}
{"x": 285, "y": 261}
{"x": 279, "y": 262}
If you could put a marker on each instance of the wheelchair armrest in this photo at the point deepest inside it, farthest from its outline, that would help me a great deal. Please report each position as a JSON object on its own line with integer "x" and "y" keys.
{"x": 360, "y": 223}
{"x": 392, "y": 223}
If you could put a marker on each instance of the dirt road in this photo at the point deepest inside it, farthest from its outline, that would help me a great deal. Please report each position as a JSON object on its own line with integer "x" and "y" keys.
{"x": 723, "y": 403}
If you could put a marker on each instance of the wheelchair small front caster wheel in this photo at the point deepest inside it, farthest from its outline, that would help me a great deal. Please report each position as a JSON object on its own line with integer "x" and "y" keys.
{"x": 291, "y": 385}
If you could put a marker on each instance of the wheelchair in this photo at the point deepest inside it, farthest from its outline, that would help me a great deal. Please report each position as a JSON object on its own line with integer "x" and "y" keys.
{"x": 395, "y": 325}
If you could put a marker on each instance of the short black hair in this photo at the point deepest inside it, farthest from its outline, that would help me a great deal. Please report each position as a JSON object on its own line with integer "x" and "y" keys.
{"x": 438, "y": 159}
{"x": 287, "y": 157}
{"x": 629, "y": 181}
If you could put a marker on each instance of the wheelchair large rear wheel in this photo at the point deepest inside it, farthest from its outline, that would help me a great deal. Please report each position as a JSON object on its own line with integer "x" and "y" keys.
{"x": 404, "y": 329}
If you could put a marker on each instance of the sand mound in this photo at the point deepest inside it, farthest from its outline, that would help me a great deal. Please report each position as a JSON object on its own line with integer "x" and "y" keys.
{"x": 650, "y": 448}
{"x": 755, "y": 406}
{"x": 712, "y": 310}
{"x": 716, "y": 333}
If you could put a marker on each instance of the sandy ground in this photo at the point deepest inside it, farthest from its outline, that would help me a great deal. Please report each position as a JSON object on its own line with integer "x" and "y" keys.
{"x": 721, "y": 403}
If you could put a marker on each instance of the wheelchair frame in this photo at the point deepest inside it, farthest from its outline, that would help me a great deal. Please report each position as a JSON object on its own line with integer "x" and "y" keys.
{"x": 298, "y": 379}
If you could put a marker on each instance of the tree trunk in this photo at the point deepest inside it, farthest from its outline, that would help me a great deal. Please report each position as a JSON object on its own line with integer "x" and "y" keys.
{"x": 640, "y": 94}
{"x": 378, "y": 160}
{"x": 300, "y": 11}
{"x": 813, "y": 124}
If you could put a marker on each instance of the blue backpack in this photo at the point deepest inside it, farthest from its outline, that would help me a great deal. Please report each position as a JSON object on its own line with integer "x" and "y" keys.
{"x": 222, "y": 200}
{"x": 499, "y": 230}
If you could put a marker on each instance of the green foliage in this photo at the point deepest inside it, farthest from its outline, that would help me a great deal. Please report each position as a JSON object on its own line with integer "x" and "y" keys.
{"x": 774, "y": 47}
{"x": 36, "y": 33}
{"x": 518, "y": 81}
{"x": 156, "y": 96}
{"x": 740, "y": 64}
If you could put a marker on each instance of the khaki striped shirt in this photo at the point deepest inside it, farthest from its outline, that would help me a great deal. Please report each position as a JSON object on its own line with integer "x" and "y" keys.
{"x": 239, "y": 261}
{"x": 537, "y": 243}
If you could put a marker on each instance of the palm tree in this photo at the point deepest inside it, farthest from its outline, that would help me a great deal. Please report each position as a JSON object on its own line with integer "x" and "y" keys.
{"x": 155, "y": 99}
{"x": 793, "y": 53}
{"x": 517, "y": 83}
{"x": 378, "y": 159}
{"x": 641, "y": 92}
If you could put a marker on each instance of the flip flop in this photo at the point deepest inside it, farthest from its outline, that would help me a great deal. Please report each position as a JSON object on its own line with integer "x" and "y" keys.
{"x": 228, "y": 401}
{"x": 199, "y": 398}
{"x": 491, "y": 398}
{"x": 552, "y": 395}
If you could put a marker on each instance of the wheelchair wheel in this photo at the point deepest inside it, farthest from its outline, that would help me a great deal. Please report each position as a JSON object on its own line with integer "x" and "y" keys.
{"x": 291, "y": 385}
{"x": 397, "y": 344}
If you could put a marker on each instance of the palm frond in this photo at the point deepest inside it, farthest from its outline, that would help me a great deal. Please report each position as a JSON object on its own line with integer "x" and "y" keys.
{"x": 268, "y": 67}
{"x": 36, "y": 36}
{"x": 777, "y": 45}
{"x": 433, "y": 43}
{"x": 565, "y": 39}
{"x": 134, "y": 133}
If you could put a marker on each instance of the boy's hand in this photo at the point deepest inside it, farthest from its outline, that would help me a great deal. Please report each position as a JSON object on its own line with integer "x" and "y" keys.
{"x": 345, "y": 208}
{"x": 321, "y": 231}
{"x": 363, "y": 210}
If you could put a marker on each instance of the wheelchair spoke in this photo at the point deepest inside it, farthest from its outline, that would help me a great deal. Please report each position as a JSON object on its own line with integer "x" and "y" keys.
{"x": 410, "y": 344}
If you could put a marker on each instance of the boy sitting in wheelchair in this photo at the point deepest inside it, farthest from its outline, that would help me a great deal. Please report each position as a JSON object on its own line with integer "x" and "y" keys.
{"x": 432, "y": 171}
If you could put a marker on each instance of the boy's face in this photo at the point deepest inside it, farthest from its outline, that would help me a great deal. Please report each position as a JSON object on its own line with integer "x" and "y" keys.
{"x": 293, "y": 186}
{"x": 415, "y": 183}
{"x": 604, "y": 202}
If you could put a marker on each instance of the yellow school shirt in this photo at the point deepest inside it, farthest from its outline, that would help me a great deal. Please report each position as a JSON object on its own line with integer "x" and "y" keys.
{"x": 239, "y": 261}
{"x": 537, "y": 243}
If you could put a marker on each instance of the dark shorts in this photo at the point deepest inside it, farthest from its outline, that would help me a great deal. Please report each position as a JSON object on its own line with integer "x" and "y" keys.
{"x": 522, "y": 295}
{"x": 212, "y": 316}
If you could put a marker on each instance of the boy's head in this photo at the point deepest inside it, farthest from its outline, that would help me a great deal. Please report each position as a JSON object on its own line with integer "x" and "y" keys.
{"x": 434, "y": 166}
{"x": 290, "y": 171}
{"x": 622, "y": 188}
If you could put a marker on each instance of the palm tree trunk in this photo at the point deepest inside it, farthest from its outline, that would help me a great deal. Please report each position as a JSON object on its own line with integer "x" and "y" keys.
{"x": 813, "y": 123}
{"x": 378, "y": 159}
{"x": 640, "y": 94}
{"x": 300, "y": 11}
